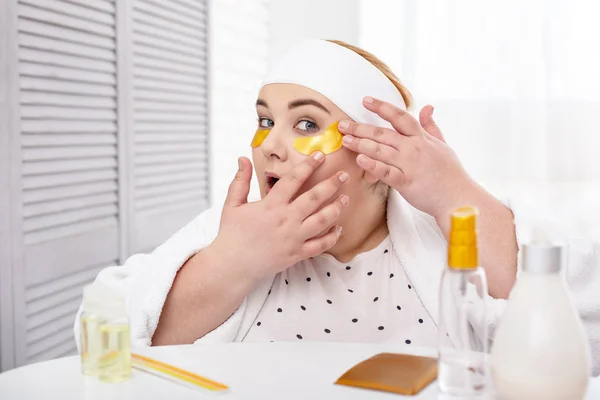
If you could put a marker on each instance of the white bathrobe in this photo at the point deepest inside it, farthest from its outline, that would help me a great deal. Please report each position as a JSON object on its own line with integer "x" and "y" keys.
{"x": 145, "y": 279}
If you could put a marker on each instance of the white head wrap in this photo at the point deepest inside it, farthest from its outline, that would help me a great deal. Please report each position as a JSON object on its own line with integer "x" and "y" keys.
{"x": 339, "y": 74}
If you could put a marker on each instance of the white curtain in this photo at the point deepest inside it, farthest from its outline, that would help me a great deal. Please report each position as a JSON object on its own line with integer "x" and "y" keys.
{"x": 516, "y": 90}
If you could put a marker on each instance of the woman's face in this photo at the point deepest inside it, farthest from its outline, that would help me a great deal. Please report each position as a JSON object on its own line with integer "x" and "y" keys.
{"x": 290, "y": 112}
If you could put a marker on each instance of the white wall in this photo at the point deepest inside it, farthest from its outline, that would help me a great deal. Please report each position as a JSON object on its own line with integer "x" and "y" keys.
{"x": 292, "y": 20}
{"x": 239, "y": 60}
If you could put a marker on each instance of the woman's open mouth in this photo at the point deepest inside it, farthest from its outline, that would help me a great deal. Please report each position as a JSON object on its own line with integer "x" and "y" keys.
{"x": 271, "y": 180}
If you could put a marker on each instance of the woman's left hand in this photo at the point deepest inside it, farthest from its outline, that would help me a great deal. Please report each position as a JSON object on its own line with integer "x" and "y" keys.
{"x": 412, "y": 158}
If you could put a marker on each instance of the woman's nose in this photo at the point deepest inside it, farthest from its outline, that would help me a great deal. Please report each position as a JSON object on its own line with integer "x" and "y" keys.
{"x": 273, "y": 146}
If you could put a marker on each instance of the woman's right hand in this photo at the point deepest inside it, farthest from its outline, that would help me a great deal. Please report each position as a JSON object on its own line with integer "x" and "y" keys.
{"x": 268, "y": 236}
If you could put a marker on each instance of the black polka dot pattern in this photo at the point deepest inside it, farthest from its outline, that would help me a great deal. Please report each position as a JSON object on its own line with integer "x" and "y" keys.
{"x": 376, "y": 316}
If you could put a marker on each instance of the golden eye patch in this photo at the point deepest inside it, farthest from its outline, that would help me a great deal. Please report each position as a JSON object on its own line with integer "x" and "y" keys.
{"x": 328, "y": 142}
{"x": 259, "y": 137}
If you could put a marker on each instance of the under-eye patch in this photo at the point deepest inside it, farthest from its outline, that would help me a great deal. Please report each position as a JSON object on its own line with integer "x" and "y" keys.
{"x": 328, "y": 142}
{"x": 259, "y": 137}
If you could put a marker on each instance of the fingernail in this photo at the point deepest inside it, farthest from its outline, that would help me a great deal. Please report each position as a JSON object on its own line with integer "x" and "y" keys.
{"x": 317, "y": 155}
{"x": 345, "y": 200}
{"x": 343, "y": 125}
{"x": 338, "y": 229}
{"x": 343, "y": 177}
{"x": 368, "y": 100}
{"x": 239, "y": 163}
{"x": 347, "y": 140}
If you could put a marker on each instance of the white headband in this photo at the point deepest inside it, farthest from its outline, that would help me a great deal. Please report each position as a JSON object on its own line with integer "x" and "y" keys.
{"x": 339, "y": 74}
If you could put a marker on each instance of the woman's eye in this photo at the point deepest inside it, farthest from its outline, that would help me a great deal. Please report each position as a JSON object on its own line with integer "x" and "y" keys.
{"x": 307, "y": 126}
{"x": 266, "y": 123}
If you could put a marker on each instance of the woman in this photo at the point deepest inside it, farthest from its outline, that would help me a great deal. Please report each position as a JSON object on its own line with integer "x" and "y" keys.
{"x": 346, "y": 244}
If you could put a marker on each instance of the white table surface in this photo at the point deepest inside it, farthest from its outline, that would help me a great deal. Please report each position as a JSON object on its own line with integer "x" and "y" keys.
{"x": 252, "y": 371}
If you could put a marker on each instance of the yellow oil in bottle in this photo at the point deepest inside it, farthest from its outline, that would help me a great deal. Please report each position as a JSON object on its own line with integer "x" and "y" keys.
{"x": 90, "y": 345}
{"x": 115, "y": 361}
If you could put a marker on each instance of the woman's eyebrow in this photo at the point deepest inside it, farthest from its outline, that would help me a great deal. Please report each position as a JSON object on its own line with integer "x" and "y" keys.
{"x": 307, "y": 102}
{"x": 261, "y": 102}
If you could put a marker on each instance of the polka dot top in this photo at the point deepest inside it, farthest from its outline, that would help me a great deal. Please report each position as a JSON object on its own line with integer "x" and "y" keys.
{"x": 366, "y": 300}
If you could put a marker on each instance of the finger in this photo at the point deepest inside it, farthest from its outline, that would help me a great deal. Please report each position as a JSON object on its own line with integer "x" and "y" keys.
{"x": 367, "y": 131}
{"x": 287, "y": 186}
{"x": 427, "y": 122}
{"x": 316, "y": 246}
{"x": 320, "y": 222}
{"x": 240, "y": 187}
{"x": 313, "y": 199}
{"x": 402, "y": 121}
{"x": 374, "y": 150}
{"x": 387, "y": 174}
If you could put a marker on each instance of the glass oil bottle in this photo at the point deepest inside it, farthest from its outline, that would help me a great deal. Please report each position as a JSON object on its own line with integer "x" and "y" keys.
{"x": 105, "y": 335}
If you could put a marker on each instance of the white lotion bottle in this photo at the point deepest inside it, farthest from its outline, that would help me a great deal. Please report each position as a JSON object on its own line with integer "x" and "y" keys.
{"x": 540, "y": 348}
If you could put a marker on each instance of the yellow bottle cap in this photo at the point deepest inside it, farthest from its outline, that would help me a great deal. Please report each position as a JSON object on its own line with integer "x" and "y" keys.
{"x": 462, "y": 249}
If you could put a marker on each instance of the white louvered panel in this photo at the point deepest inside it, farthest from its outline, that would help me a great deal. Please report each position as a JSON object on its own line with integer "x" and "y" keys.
{"x": 106, "y": 6}
{"x": 182, "y": 86}
{"x": 68, "y": 98}
{"x": 173, "y": 98}
{"x": 48, "y": 30}
{"x": 53, "y": 193}
{"x": 65, "y": 74}
{"x": 62, "y": 47}
{"x": 141, "y": 16}
{"x": 170, "y": 80}
{"x": 142, "y": 161}
{"x": 150, "y": 30}
{"x": 78, "y": 203}
{"x": 159, "y": 181}
{"x": 160, "y": 64}
{"x": 145, "y": 106}
{"x": 65, "y": 14}
{"x": 45, "y": 57}
{"x": 65, "y": 233}
{"x": 151, "y": 194}
{"x": 150, "y": 138}
{"x": 58, "y": 112}
{"x": 151, "y": 171}
{"x": 165, "y": 76}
